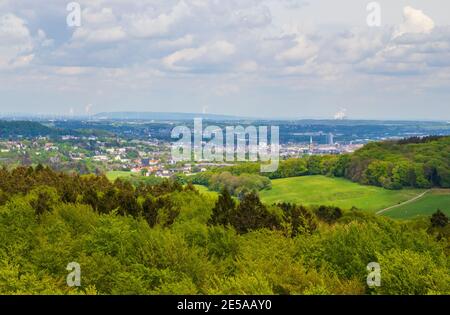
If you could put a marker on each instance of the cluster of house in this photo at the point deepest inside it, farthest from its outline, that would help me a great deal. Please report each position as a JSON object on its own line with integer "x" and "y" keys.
{"x": 7, "y": 146}
{"x": 38, "y": 143}
{"x": 50, "y": 147}
{"x": 149, "y": 167}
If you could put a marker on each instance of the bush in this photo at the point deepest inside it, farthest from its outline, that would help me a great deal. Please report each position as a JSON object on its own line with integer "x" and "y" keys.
{"x": 238, "y": 184}
{"x": 439, "y": 219}
{"x": 406, "y": 272}
{"x": 329, "y": 214}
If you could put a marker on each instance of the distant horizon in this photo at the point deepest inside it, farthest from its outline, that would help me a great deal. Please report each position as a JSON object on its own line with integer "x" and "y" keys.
{"x": 219, "y": 116}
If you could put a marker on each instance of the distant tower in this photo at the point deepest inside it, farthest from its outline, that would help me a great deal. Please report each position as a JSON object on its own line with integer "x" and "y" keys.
{"x": 330, "y": 139}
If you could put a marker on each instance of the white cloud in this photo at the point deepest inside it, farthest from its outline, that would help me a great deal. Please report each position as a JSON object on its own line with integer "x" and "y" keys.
{"x": 311, "y": 69}
{"x": 70, "y": 71}
{"x": 21, "y": 61}
{"x": 414, "y": 21}
{"x": 144, "y": 25}
{"x": 416, "y": 49}
{"x": 301, "y": 52}
{"x": 98, "y": 25}
{"x": 253, "y": 17}
{"x": 248, "y": 66}
{"x": 353, "y": 46}
{"x": 295, "y": 4}
{"x": 16, "y": 44}
{"x": 43, "y": 40}
{"x": 102, "y": 35}
{"x": 94, "y": 17}
{"x": 177, "y": 43}
{"x": 209, "y": 54}
{"x": 210, "y": 47}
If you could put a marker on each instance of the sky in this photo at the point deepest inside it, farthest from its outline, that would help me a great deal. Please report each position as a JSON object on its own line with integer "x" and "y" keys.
{"x": 259, "y": 58}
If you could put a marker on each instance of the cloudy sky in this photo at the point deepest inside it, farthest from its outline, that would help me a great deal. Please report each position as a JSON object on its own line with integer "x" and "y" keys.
{"x": 267, "y": 58}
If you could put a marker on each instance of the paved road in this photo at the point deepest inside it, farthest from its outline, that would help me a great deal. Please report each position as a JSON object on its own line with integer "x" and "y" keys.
{"x": 404, "y": 203}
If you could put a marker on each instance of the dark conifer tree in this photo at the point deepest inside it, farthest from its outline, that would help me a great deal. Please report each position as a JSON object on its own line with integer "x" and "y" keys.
{"x": 439, "y": 219}
{"x": 150, "y": 210}
{"x": 223, "y": 210}
{"x": 251, "y": 214}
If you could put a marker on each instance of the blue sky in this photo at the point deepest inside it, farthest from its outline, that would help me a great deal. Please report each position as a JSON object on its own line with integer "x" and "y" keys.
{"x": 268, "y": 58}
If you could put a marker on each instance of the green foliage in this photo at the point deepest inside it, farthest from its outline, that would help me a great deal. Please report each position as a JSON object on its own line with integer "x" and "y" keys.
{"x": 237, "y": 185}
{"x": 157, "y": 240}
{"x": 329, "y": 214}
{"x": 25, "y": 129}
{"x": 222, "y": 243}
{"x": 42, "y": 199}
{"x": 46, "y": 188}
{"x": 243, "y": 284}
{"x": 223, "y": 210}
{"x": 314, "y": 165}
{"x": 406, "y": 272}
{"x": 290, "y": 168}
{"x": 439, "y": 219}
{"x": 150, "y": 210}
{"x": 251, "y": 214}
{"x": 299, "y": 219}
{"x": 420, "y": 163}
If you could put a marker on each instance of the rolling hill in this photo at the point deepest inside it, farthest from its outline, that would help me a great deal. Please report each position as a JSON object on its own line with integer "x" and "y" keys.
{"x": 16, "y": 129}
{"x": 322, "y": 190}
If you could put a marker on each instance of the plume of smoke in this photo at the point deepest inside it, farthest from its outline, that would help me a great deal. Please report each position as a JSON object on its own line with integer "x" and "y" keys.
{"x": 88, "y": 109}
{"x": 341, "y": 114}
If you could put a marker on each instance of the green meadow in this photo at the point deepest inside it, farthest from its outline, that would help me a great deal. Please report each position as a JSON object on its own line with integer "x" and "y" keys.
{"x": 425, "y": 206}
{"x": 322, "y": 190}
{"x": 206, "y": 191}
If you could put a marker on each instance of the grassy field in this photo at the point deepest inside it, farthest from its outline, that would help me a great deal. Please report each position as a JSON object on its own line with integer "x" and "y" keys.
{"x": 425, "y": 206}
{"x": 205, "y": 190}
{"x": 113, "y": 175}
{"x": 321, "y": 190}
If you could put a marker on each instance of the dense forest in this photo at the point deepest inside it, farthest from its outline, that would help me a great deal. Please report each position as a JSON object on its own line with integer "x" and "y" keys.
{"x": 413, "y": 162}
{"x": 14, "y": 129}
{"x": 33, "y": 129}
{"x": 168, "y": 238}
